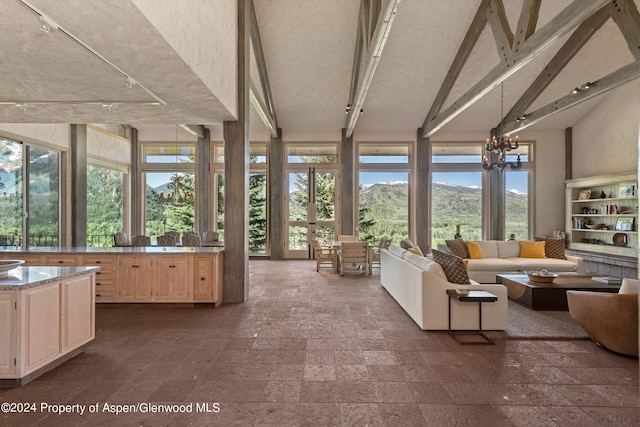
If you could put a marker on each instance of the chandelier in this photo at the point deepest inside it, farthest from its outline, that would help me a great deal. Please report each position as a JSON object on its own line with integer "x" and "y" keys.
{"x": 179, "y": 195}
{"x": 500, "y": 145}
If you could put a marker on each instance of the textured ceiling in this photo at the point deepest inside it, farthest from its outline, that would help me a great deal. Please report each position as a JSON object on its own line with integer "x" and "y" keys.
{"x": 308, "y": 46}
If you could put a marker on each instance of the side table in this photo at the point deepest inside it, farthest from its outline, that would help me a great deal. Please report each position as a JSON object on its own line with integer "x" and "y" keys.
{"x": 471, "y": 296}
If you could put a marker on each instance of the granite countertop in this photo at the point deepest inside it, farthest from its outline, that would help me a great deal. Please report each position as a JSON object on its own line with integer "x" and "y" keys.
{"x": 154, "y": 250}
{"x": 31, "y": 277}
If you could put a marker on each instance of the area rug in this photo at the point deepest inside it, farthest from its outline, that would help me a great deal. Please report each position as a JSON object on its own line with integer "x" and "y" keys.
{"x": 528, "y": 324}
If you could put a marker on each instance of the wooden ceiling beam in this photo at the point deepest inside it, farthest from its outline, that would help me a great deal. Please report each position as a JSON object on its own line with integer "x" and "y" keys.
{"x": 471, "y": 37}
{"x": 562, "y": 23}
{"x": 527, "y": 22}
{"x": 572, "y": 46}
{"x": 195, "y": 130}
{"x": 263, "y": 110}
{"x": 268, "y": 105}
{"x": 626, "y": 16}
{"x": 500, "y": 28}
{"x": 363, "y": 81}
{"x": 619, "y": 77}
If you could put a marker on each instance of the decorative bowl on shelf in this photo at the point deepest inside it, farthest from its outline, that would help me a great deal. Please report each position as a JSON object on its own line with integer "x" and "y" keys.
{"x": 595, "y": 226}
{"x": 9, "y": 264}
{"x": 542, "y": 276}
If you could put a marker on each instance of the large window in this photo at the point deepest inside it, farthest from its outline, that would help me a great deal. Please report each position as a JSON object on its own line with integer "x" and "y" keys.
{"x": 460, "y": 194}
{"x": 258, "y": 195}
{"x": 105, "y": 188}
{"x": 170, "y": 187}
{"x": 383, "y": 191}
{"x": 31, "y": 207}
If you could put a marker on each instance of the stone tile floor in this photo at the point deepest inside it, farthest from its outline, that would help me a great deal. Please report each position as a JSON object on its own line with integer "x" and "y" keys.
{"x": 320, "y": 350}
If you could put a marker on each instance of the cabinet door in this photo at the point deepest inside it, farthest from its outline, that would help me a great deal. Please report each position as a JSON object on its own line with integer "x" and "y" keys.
{"x": 78, "y": 312}
{"x": 135, "y": 279}
{"x": 174, "y": 278}
{"x": 42, "y": 326}
{"x": 7, "y": 333}
{"x": 204, "y": 279}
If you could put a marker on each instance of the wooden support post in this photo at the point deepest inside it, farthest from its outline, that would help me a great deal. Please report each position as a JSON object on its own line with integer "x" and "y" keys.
{"x": 276, "y": 173}
{"x": 423, "y": 192}
{"x": 137, "y": 186}
{"x": 346, "y": 186}
{"x": 203, "y": 189}
{"x": 78, "y": 185}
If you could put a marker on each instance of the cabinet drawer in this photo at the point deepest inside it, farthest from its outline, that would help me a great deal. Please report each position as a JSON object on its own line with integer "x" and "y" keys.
{"x": 105, "y": 294}
{"x": 106, "y": 262}
{"x": 29, "y": 260}
{"x": 65, "y": 260}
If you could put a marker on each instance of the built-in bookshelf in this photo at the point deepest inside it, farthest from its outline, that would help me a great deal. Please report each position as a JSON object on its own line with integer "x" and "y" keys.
{"x": 602, "y": 213}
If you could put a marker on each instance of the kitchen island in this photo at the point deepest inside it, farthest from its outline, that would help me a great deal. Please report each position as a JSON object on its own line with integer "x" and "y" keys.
{"x": 154, "y": 274}
{"x": 47, "y": 316}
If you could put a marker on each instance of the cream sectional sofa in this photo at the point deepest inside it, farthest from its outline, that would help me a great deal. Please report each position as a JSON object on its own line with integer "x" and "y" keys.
{"x": 419, "y": 285}
{"x": 500, "y": 257}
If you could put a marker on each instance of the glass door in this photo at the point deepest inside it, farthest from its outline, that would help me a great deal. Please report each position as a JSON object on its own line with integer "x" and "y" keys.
{"x": 310, "y": 210}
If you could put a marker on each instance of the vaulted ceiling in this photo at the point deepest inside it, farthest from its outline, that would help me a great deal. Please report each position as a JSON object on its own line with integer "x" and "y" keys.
{"x": 308, "y": 49}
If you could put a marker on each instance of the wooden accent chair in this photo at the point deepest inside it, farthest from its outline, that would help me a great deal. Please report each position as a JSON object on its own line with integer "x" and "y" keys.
{"x": 375, "y": 251}
{"x": 140, "y": 241}
{"x": 347, "y": 238}
{"x": 210, "y": 236}
{"x": 324, "y": 256}
{"x": 356, "y": 254}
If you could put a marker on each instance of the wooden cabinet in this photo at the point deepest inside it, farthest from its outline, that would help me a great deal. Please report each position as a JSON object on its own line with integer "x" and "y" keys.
{"x": 41, "y": 319}
{"x": 106, "y": 289}
{"x": 207, "y": 284}
{"x": 602, "y": 214}
{"x": 143, "y": 277}
{"x": 8, "y": 312}
{"x": 174, "y": 279}
{"x": 135, "y": 279}
{"x": 77, "y": 323}
{"x": 41, "y": 324}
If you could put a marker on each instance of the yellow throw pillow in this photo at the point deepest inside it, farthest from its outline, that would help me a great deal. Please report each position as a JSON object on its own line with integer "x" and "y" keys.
{"x": 532, "y": 250}
{"x": 474, "y": 250}
{"x": 416, "y": 250}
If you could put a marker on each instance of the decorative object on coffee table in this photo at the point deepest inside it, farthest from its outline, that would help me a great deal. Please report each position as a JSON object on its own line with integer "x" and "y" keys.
{"x": 542, "y": 276}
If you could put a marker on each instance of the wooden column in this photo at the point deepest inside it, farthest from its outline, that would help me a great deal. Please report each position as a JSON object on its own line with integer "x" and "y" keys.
{"x": 423, "y": 192}
{"x": 496, "y": 198}
{"x": 78, "y": 185}
{"x": 236, "y": 172}
{"x": 137, "y": 200}
{"x": 276, "y": 181}
{"x": 346, "y": 186}
{"x": 204, "y": 194}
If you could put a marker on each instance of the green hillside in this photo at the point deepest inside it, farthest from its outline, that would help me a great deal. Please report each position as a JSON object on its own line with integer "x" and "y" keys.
{"x": 385, "y": 205}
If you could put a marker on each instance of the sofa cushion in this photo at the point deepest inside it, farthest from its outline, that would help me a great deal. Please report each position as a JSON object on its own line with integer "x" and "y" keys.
{"x": 532, "y": 249}
{"x": 553, "y": 248}
{"x": 551, "y": 264}
{"x": 492, "y": 264}
{"x": 458, "y": 247}
{"x": 509, "y": 249}
{"x": 489, "y": 248}
{"x": 424, "y": 263}
{"x": 629, "y": 286}
{"x": 474, "y": 250}
{"x": 396, "y": 250}
{"x": 453, "y": 266}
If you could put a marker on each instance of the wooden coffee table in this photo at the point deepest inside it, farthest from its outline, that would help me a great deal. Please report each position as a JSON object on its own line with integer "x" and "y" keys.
{"x": 549, "y": 296}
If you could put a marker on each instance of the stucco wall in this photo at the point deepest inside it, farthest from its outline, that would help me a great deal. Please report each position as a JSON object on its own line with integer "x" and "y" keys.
{"x": 43, "y": 134}
{"x": 606, "y": 140}
{"x": 209, "y": 25}
{"x": 109, "y": 146}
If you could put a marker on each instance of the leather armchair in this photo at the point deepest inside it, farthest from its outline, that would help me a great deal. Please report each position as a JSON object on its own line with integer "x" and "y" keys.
{"x": 611, "y": 320}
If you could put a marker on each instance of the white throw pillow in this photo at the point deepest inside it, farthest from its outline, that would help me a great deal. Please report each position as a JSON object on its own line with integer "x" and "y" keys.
{"x": 509, "y": 249}
{"x": 489, "y": 248}
{"x": 629, "y": 286}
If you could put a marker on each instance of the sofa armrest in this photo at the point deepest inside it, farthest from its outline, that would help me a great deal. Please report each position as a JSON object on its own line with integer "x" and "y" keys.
{"x": 577, "y": 260}
{"x": 609, "y": 319}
